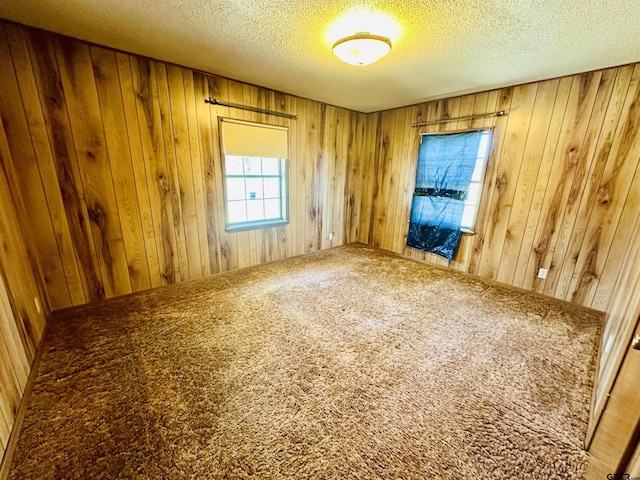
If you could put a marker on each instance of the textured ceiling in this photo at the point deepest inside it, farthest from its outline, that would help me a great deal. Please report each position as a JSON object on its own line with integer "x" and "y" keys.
{"x": 440, "y": 47}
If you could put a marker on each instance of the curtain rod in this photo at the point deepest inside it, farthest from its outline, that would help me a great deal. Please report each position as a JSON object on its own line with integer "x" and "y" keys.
{"x": 501, "y": 113}
{"x": 215, "y": 101}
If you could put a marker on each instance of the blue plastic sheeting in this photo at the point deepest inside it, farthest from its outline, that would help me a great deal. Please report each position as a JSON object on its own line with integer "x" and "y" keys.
{"x": 445, "y": 167}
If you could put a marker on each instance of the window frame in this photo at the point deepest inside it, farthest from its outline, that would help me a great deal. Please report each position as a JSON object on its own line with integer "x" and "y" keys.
{"x": 489, "y": 131}
{"x": 283, "y": 183}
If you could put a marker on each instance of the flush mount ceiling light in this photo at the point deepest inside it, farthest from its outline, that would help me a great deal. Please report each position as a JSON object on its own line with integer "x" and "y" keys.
{"x": 362, "y": 48}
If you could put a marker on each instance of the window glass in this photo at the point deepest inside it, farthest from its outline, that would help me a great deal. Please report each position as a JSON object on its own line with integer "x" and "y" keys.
{"x": 474, "y": 194}
{"x": 257, "y": 196}
{"x": 233, "y": 165}
{"x": 252, "y": 166}
{"x": 472, "y": 202}
{"x": 271, "y": 188}
{"x": 237, "y": 211}
{"x": 235, "y": 188}
{"x": 270, "y": 166}
{"x": 272, "y": 208}
{"x": 255, "y": 210}
{"x": 255, "y": 174}
{"x": 254, "y": 188}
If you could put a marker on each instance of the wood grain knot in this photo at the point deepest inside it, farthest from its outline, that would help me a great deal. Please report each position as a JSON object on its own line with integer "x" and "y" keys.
{"x": 167, "y": 274}
{"x": 98, "y": 216}
{"x": 541, "y": 248}
{"x": 603, "y": 194}
{"x": 98, "y": 72}
{"x": 588, "y": 277}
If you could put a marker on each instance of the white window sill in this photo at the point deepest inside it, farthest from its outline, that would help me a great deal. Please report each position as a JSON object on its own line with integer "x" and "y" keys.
{"x": 242, "y": 227}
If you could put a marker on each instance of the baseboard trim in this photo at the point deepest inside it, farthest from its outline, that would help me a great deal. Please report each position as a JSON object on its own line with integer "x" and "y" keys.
{"x": 22, "y": 409}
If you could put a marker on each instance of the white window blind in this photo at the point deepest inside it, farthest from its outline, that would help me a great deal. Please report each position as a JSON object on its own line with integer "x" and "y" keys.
{"x": 246, "y": 139}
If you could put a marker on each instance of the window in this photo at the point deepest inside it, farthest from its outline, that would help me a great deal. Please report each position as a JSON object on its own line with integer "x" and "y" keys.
{"x": 255, "y": 174}
{"x": 472, "y": 201}
{"x": 449, "y": 177}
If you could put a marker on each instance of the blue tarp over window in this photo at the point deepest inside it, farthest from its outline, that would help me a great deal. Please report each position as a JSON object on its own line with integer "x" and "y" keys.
{"x": 445, "y": 167}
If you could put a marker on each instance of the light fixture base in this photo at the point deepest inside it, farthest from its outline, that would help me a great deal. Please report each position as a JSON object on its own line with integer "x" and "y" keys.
{"x": 362, "y": 48}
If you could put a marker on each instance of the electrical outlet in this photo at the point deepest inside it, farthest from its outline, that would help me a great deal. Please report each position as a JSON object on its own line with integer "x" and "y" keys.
{"x": 331, "y": 236}
{"x": 542, "y": 273}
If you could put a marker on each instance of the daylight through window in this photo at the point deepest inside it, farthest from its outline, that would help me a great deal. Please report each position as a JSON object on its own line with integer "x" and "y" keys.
{"x": 255, "y": 171}
{"x": 472, "y": 202}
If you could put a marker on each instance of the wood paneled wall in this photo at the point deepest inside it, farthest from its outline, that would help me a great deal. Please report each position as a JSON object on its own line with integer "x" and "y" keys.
{"x": 623, "y": 313}
{"x": 23, "y": 307}
{"x": 562, "y": 187}
{"x": 114, "y": 170}
{"x": 118, "y": 160}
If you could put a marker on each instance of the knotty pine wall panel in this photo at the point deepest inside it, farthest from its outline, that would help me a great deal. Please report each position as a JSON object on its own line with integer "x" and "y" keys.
{"x": 23, "y": 307}
{"x": 623, "y": 313}
{"x": 118, "y": 160}
{"x": 114, "y": 169}
{"x": 561, "y": 190}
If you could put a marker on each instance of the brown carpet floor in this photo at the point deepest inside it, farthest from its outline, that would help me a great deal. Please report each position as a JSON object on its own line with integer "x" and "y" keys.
{"x": 349, "y": 363}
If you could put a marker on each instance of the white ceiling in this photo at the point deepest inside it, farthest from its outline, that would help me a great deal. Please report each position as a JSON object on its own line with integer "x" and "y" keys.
{"x": 440, "y": 47}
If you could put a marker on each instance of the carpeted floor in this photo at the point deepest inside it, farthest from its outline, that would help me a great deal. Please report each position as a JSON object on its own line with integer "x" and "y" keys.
{"x": 348, "y": 363}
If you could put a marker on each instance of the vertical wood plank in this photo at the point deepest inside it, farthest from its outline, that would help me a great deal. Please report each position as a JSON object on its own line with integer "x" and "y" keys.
{"x": 37, "y": 177}
{"x": 212, "y": 210}
{"x": 294, "y": 165}
{"x": 499, "y": 246}
{"x": 119, "y": 155}
{"x": 417, "y": 115}
{"x": 197, "y": 170}
{"x": 327, "y": 173}
{"x": 545, "y": 128}
{"x": 616, "y": 207}
{"x": 354, "y": 187}
{"x": 173, "y": 169}
{"x": 250, "y": 245}
{"x": 284, "y": 235}
{"x": 11, "y": 392}
{"x": 583, "y": 171}
{"x": 300, "y": 205}
{"x": 493, "y": 185}
{"x": 56, "y": 116}
{"x": 313, "y": 213}
{"x": 395, "y": 179}
{"x": 141, "y": 181}
{"x": 87, "y": 129}
{"x": 336, "y": 197}
{"x": 185, "y": 195}
{"x": 18, "y": 264}
{"x": 528, "y": 254}
{"x": 581, "y": 243}
{"x": 581, "y": 102}
{"x": 380, "y": 239}
{"x": 527, "y": 180}
{"x": 219, "y": 88}
{"x": 158, "y": 180}
{"x": 21, "y": 285}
